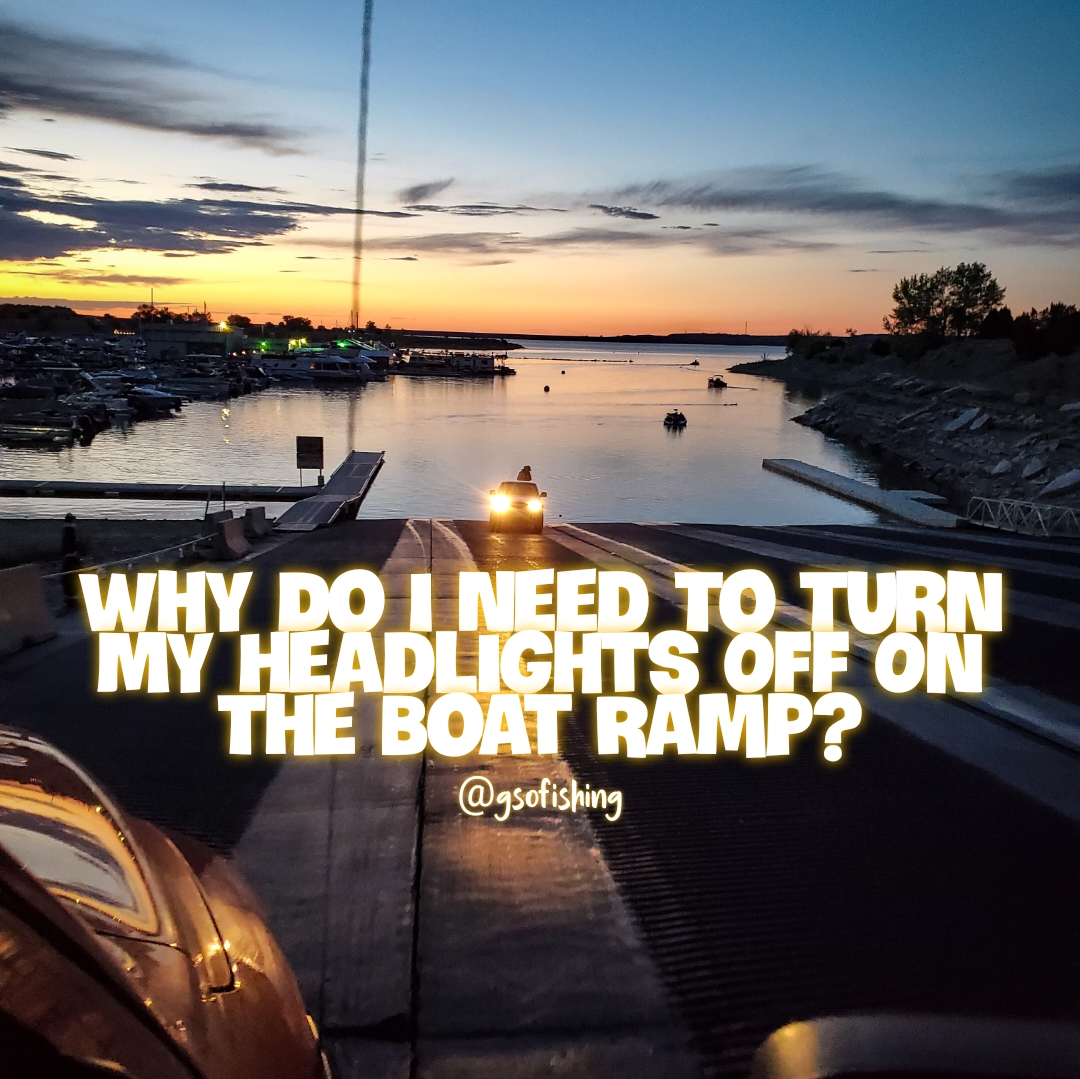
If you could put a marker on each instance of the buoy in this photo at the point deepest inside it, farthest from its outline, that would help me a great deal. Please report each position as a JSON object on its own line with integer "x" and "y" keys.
{"x": 547, "y": 389}
{"x": 562, "y": 372}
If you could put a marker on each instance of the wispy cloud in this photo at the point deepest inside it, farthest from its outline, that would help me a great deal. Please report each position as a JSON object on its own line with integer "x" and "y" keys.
{"x": 52, "y": 155}
{"x": 482, "y": 209}
{"x": 134, "y": 87}
{"x": 35, "y": 225}
{"x": 623, "y": 211}
{"x": 1035, "y": 207}
{"x": 236, "y": 189}
{"x": 423, "y": 192}
{"x": 1058, "y": 186}
{"x": 473, "y": 246}
{"x": 70, "y": 276}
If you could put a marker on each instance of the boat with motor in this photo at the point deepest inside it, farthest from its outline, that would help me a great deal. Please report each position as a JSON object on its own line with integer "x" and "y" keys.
{"x": 675, "y": 420}
{"x": 717, "y": 383}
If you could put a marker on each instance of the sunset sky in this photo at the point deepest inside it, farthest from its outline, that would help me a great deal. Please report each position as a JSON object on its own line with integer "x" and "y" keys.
{"x": 561, "y": 167}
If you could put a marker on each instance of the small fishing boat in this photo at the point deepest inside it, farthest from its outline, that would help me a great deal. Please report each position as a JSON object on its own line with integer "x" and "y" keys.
{"x": 675, "y": 420}
{"x": 151, "y": 404}
{"x": 717, "y": 383}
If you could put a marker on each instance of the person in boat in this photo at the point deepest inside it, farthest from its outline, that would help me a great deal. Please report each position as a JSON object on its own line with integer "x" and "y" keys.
{"x": 525, "y": 474}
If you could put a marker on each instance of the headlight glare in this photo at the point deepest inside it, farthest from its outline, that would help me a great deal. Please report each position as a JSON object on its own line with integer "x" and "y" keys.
{"x": 536, "y": 505}
{"x": 500, "y": 503}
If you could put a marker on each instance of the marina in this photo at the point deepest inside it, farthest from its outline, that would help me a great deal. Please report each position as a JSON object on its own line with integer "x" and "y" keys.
{"x": 596, "y": 439}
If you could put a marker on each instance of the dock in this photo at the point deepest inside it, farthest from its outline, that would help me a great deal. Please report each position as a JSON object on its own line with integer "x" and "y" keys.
{"x": 339, "y": 499}
{"x": 904, "y": 505}
{"x": 313, "y": 507}
{"x": 195, "y": 492}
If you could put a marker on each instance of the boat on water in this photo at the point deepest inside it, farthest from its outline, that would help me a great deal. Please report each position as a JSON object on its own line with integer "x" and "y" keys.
{"x": 317, "y": 367}
{"x": 675, "y": 420}
{"x": 148, "y": 403}
{"x": 18, "y": 433}
{"x": 695, "y": 363}
{"x": 454, "y": 365}
{"x": 717, "y": 383}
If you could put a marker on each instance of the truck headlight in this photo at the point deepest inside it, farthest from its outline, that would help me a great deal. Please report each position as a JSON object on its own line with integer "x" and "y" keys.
{"x": 536, "y": 505}
{"x": 500, "y": 503}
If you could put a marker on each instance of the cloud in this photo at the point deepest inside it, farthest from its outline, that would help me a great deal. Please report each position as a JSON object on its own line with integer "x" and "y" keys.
{"x": 482, "y": 209}
{"x": 34, "y": 226}
{"x": 1059, "y": 186}
{"x": 1039, "y": 207}
{"x": 87, "y": 79}
{"x": 52, "y": 155}
{"x": 238, "y": 189}
{"x": 94, "y": 306}
{"x": 473, "y": 246}
{"x": 95, "y": 277}
{"x": 871, "y": 269}
{"x": 623, "y": 211}
{"x": 423, "y": 192}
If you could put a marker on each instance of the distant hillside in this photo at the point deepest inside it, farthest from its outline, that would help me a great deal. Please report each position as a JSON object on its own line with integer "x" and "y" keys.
{"x": 663, "y": 339}
{"x": 33, "y": 318}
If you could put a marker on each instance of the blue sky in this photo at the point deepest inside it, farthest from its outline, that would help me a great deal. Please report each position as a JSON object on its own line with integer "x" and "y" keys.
{"x": 776, "y": 147}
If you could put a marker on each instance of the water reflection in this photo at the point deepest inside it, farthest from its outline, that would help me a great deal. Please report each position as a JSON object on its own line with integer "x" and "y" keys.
{"x": 596, "y": 442}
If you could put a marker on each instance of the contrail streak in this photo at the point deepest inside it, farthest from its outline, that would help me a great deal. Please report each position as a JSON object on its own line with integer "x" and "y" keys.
{"x": 361, "y": 164}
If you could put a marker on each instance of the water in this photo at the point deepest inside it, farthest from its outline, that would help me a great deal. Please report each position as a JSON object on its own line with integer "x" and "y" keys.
{"x": 596, "y": 443}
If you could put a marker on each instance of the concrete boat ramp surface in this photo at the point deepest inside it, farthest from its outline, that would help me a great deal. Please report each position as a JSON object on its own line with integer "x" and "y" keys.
{"x": 936, "y": 869}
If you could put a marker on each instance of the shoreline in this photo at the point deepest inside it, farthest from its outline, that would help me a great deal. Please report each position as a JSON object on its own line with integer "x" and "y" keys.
{"x": 962, "y": 437}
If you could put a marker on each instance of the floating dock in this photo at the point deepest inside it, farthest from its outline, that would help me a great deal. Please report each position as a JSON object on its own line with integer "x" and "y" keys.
{"x": 313, "y": 507}
{"x": 339, "y": 498}
{"x": 901, "y": 504}
{"x": 196, "y": 492}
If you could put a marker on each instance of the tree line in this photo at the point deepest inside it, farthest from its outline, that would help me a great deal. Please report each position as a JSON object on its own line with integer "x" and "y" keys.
{"x": 965, "y": 300}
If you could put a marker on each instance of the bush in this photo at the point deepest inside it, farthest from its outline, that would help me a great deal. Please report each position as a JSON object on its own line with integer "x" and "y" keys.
{"x": 811, "y": 343}
{"x": 1054, "y": 329}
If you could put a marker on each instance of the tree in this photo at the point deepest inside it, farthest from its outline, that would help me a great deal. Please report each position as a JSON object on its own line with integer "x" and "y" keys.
{"x": 920, "y": 304}
{"x": 971, "y": 295}
{"x": 241, "y": 322}
{"x": 145, "y": 313}
{"x": 954, "y": 300}
{"x": 295, "y": 324}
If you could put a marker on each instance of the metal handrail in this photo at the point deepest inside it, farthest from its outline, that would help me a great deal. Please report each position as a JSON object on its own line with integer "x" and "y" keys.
{"x": 1027, "y": 518}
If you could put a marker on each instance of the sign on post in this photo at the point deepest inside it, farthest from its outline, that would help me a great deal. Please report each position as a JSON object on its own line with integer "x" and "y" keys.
{"x": 309, "y": 452}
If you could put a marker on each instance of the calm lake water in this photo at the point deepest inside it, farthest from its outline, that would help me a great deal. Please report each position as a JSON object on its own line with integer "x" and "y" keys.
{"x": 596, "y": 443}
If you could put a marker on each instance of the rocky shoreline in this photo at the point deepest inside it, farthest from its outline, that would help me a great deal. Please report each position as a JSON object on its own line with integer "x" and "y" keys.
{"x": 966, "y": 420}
